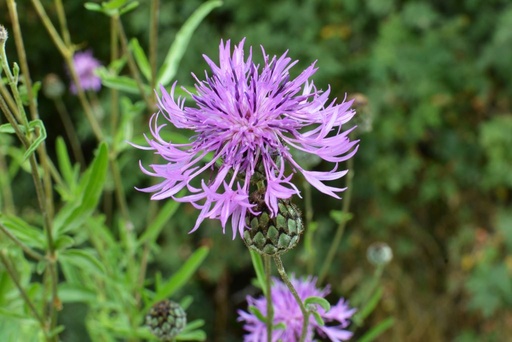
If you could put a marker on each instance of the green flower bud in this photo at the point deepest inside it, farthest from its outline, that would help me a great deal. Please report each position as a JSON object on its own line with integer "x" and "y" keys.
{"x": 273, "y": 235}
{"x": 166, "y": 319}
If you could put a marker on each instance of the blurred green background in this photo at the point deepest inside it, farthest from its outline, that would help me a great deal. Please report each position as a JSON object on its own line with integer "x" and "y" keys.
{"x": 433, "y": 175}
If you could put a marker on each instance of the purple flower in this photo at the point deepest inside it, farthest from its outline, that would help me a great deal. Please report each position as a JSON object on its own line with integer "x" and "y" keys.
{"x": 287, "y": 312}
{"x": 247, "y": 118}
{"x": 85, "y": 64}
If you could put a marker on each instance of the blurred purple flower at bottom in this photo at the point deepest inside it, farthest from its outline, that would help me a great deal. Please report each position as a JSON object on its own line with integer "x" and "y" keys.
{"x": 287, "y": 311}
{"x": 85, "y": 64}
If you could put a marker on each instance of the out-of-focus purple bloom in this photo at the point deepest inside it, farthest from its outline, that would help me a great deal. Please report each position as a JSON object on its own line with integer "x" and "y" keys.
{"x": 287, "y": 311}
{"x": 247, "y": 117}
{"x": 85, "y": 64}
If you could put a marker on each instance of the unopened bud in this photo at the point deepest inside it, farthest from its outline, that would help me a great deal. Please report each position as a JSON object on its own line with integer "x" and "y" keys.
{"x": 379, "y": 253}
{"x": 166, "y": 319}
{"x": 3, "y": 34}
{"x": 53, "y": 87}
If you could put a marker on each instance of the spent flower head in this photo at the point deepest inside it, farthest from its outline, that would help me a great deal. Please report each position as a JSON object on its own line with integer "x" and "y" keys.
{"x": 85, "y": 65}
{"x": 287, "y": 312}
{"x": 247, "y": 117}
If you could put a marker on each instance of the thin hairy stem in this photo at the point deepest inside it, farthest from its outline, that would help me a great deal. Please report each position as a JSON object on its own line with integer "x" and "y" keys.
{"x": 268, "y": 293}
{"x": 4, "y": 93}
{"x": 286, "y": 280}
{"x": 341, "y": 226}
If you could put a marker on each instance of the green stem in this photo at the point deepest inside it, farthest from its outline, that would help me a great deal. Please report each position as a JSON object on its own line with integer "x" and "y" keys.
{"x": 131, "y": 63}
{"x": 286, "y": 280}
{"x": 4, "y": 93}
{"x": 341, "y": 226}
{"x": 153, "y": 44}
{"x": 61, "y": 14}
{"x": 5, "y": 184}
{"x": 114, "y": 103}
{"x": 268, "y": 293}
{"x": 70, "y": 130}
{"x": 309, "y": 231}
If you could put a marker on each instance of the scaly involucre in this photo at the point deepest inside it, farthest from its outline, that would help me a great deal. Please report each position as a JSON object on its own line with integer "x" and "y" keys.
{"x": 246, "y": 120}
{"x": 287, "y": 312}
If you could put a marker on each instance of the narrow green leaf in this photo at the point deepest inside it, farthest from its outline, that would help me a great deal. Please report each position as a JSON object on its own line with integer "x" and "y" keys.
{"x": 195, "y": 324}
{"x": 197, "y": 335}
{"x": 370, "y": 306}
{"x": 123, "y": 83}
{"x": 40, "y": 138}
{"x": 29, "y": 235}
{"x": 256, "y": 312}
{"x": 320, "y": 301}
{"x": 84, "y": 259}
{"x": 181, "y": 277}
{"x": 339, "y": 216}
{"x": 55, "y": 331}
{"x": 158, "y": 223}
{"x": 75, "y": 293}
{"x": 257, "y": 263}
{"x": 376, "y": 331}
{"x": 113, "y": 4}
{"x": 63, "y": 242}
{"x": 41, "y": 266}
{"x": 186, "y": 301}
{"x": 141, "y": 58}
{"x": 74, "y": 213}
{"x": 7, "y": 128}
{"x": 179, "y": 46}
{"x": 280, "y": 326}
{"x": 131, "y": 6}
{"x": 91, "y": 6}
{"x": 11, "y": 314}
{"x": 65, "y": 166}
{"x": 319, "y": 320}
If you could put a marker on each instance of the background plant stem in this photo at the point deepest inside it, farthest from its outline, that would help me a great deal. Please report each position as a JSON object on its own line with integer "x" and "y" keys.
{"x": 286, "y": 280}
{"x": 268, "y": 293}
{"x": 342, "y": 224}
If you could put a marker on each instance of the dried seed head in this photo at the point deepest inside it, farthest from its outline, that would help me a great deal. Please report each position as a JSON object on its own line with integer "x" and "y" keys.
{"x": 166, "y": 319}
{"x": 273, "y": 235}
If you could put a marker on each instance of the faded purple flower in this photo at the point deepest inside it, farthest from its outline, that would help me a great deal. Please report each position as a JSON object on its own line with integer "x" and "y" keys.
{"x": 85, "y": 64}
{"x": 287, "y": 312}
{"x": 247, "y": 118}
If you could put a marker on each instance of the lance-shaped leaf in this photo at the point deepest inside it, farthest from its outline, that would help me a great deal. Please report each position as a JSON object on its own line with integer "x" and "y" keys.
{"x": 179, "y": 46}
{"x": 75, "y": 212}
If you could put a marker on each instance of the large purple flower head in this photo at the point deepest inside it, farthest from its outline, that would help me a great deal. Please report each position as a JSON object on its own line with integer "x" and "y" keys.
{"x": 85, "y": 64}
{"x": 247, "y": 119}
{"x": 287, "y": 312}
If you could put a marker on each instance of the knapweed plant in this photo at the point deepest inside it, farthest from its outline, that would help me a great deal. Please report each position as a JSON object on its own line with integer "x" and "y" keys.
{"x": 79, "y": 236}
{"x": 247, "y": 118}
